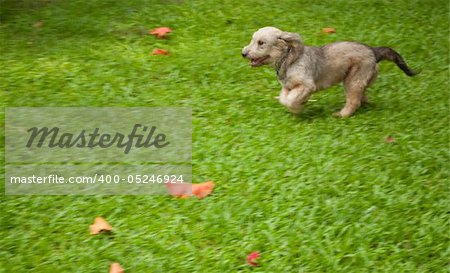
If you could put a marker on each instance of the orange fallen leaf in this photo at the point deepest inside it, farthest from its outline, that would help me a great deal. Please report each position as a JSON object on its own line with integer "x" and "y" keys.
{"x": 185, "y": 190}
{"x": 202, "y": 190}
{"x": 158, "y": 51}
{"x": 390, "y": 139}
{"x": 116, "y": 268}
{"x": 99, "y": 225}
{"x": 252, "y": 257}
{"x": 181, "y": 190}
{"x": 329, "y": 30}
{"x": 160, "y": 32}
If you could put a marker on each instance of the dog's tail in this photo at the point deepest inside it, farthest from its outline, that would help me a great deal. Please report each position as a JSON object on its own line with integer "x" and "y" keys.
{"x": 387, "y": 53}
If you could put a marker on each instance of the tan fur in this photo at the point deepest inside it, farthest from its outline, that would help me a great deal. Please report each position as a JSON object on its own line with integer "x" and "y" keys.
{"x": 303, "y": 70}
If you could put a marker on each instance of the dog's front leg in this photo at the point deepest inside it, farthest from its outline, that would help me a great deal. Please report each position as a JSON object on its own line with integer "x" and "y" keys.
{"x": 282, "y": 98}
{"x": 297, "y": 98}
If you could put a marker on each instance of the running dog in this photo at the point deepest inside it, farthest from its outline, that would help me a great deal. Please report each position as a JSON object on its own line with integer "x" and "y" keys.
{"x": 303, "y": 70}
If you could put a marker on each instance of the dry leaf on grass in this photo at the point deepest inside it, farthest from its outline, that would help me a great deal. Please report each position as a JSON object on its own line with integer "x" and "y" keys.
{"x": 252, "y": 257}
{"x": 116, "y": 268}
{"x": 100, "y": 225}
{"x": 160, "y": 32}
{"x": 181, "y": 190}
{"x": 38, "y": 24}
{"x": 185, "y": 190}
{"x": 202, "y": 190}
{"x": 390, "y": 139}
{"x": 158, "y": 51}
{"x": 329, "y": 30}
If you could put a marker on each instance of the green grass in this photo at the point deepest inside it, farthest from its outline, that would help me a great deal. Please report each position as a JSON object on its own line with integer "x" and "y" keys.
{"x": 312, "y": 194}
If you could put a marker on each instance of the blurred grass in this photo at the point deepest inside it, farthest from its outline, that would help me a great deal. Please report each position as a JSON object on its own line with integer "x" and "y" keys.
{"x": 312, "y": 194}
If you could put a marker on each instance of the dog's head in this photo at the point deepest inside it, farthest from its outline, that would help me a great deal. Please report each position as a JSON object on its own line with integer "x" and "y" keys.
{"x": 268, "y": 45}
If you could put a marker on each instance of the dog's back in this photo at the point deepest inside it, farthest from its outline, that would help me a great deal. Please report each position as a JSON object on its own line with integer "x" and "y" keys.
{"x": 338, "y": 58}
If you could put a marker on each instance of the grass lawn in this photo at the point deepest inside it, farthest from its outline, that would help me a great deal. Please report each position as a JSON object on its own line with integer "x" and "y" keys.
{"x": 311, "y": 194}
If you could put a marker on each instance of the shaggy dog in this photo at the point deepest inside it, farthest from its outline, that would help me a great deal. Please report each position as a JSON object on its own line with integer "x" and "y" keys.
{"x": 302, "y": 70}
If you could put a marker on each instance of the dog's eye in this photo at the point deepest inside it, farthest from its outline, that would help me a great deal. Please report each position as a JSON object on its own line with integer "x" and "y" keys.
{"x": 260, "y": 43}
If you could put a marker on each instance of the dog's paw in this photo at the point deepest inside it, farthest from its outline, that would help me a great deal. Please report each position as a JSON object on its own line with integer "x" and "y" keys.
{"x": 340, "y": 115}
{"x": 337, "y": 114}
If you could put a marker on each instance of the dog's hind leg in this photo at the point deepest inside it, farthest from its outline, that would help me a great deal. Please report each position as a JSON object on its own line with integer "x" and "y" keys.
{"x": 355, "y": 84}
{"x": 364, "y": 99}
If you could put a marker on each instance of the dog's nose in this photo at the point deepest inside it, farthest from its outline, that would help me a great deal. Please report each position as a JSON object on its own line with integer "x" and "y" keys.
{"x": 244, "y": 54}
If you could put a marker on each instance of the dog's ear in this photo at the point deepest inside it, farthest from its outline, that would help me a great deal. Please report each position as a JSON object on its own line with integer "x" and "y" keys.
{"x": 292, "y": 39}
